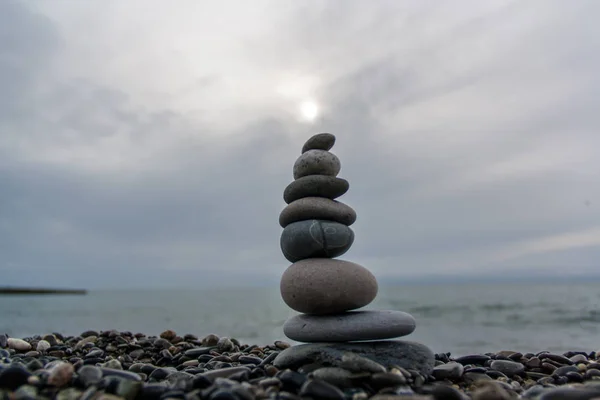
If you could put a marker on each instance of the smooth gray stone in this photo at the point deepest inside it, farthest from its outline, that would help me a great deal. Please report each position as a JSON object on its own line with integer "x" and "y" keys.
{"x": 330, "y": 187}
{"x": 315, "y": 238}
{"x": 317, "y": 208}
{"x": 320, "y": 141}
{"x": 509, "y": 368}
{"x": 327, "y": 286}
{"x": 349, "y": 326}
{"x": 451, "y": 370}
{"x": 408, "y": 355}
{"x": 317, "y": 162}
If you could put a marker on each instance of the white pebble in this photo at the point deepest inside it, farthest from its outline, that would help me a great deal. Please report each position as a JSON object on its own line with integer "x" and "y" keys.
{"x": 18, "y": 344}
{"x": 42, "y": 346}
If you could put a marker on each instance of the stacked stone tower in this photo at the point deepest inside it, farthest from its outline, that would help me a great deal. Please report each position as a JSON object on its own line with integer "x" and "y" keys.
{"x": 326, "y": 290}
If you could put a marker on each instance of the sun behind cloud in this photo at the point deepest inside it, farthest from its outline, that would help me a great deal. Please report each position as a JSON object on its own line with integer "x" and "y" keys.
{"x": 309, "y": 110}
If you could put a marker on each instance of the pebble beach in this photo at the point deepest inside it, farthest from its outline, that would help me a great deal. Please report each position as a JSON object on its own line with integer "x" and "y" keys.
{"x": 113, "y": 365}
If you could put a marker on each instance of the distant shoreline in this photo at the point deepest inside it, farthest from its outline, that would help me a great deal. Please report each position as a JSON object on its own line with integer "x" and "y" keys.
{"x": 31, "y": 291}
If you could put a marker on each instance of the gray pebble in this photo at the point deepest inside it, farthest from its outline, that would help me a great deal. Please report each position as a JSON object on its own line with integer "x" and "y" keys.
{"x": 330, "y": 187}
{"x": 89, "y": 375}
{"x": 317, "y": 162}
{"x": 509, "y": 368}
{"x": 320, "y": 141}
{"x": 451, "y": 370}
{"x": 317, "y": 208}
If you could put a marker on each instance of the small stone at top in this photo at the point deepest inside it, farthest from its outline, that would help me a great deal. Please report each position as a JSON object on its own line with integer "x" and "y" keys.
{"x": 320, "y": 141}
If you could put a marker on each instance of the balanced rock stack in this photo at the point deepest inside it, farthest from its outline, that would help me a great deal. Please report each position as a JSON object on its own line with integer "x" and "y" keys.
{"x": 326, "y": 290}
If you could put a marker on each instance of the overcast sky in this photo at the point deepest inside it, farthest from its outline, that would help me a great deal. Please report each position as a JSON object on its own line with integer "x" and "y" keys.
{"x": 147, "y": 142}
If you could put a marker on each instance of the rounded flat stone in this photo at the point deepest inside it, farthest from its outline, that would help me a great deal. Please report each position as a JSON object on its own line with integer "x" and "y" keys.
{"x": 327, "y": 286}
{"x": 350, "y": 326}
{"x": 317, "y": 162}
{"x": 315, "y": 238}
{"x": 320, "y": 141}
{"x": 326, "y": 186}
{"x": 389, "y": 353}
{"x": 317, "y": 208}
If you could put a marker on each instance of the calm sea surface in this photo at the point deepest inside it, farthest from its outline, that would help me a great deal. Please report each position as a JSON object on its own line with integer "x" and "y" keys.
{"x": 457, "y": 318}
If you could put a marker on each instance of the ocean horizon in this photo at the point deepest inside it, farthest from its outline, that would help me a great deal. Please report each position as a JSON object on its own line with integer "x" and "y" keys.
{"x": 461, "y": 318}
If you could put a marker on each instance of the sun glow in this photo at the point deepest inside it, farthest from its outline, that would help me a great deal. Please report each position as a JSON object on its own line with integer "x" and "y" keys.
{"x": 309, "y": 110}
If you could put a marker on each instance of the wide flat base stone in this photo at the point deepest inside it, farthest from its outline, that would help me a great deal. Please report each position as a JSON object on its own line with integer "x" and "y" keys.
{"x": 405, "y": 354}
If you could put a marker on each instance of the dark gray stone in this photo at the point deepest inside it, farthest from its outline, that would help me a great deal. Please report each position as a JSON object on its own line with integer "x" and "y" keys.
{"x": 224, "y": 372}
{"x": 89, "y": 375}
{"x": 317, "y": 208}
{"x": 317, "y": 162}
{"x": 562, "y": 371}
{"x": 318, "y": 389}
{"x": 315, "y": 238}
{"x": 452, "y": 370}
{"x": 330, "y": 187}
{"x": 349, "y": 326}
{"x": 476, "y": 359}
{"x": 342, "y": 378}
{"x": 409, "y": 355}
{"x": 509, "y": 368}
{"x": 320, "y": 141}
{"x": 120, "y": 373}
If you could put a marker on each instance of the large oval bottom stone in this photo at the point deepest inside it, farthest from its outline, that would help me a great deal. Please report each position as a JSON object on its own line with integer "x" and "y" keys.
{"x": 315, "y": 238}
{"x": 349, "y": 326}
{"x": 389, "y": 353}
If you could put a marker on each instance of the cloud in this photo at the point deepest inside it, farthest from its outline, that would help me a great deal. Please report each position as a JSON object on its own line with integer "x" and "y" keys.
{"x": 150, "y": 145}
